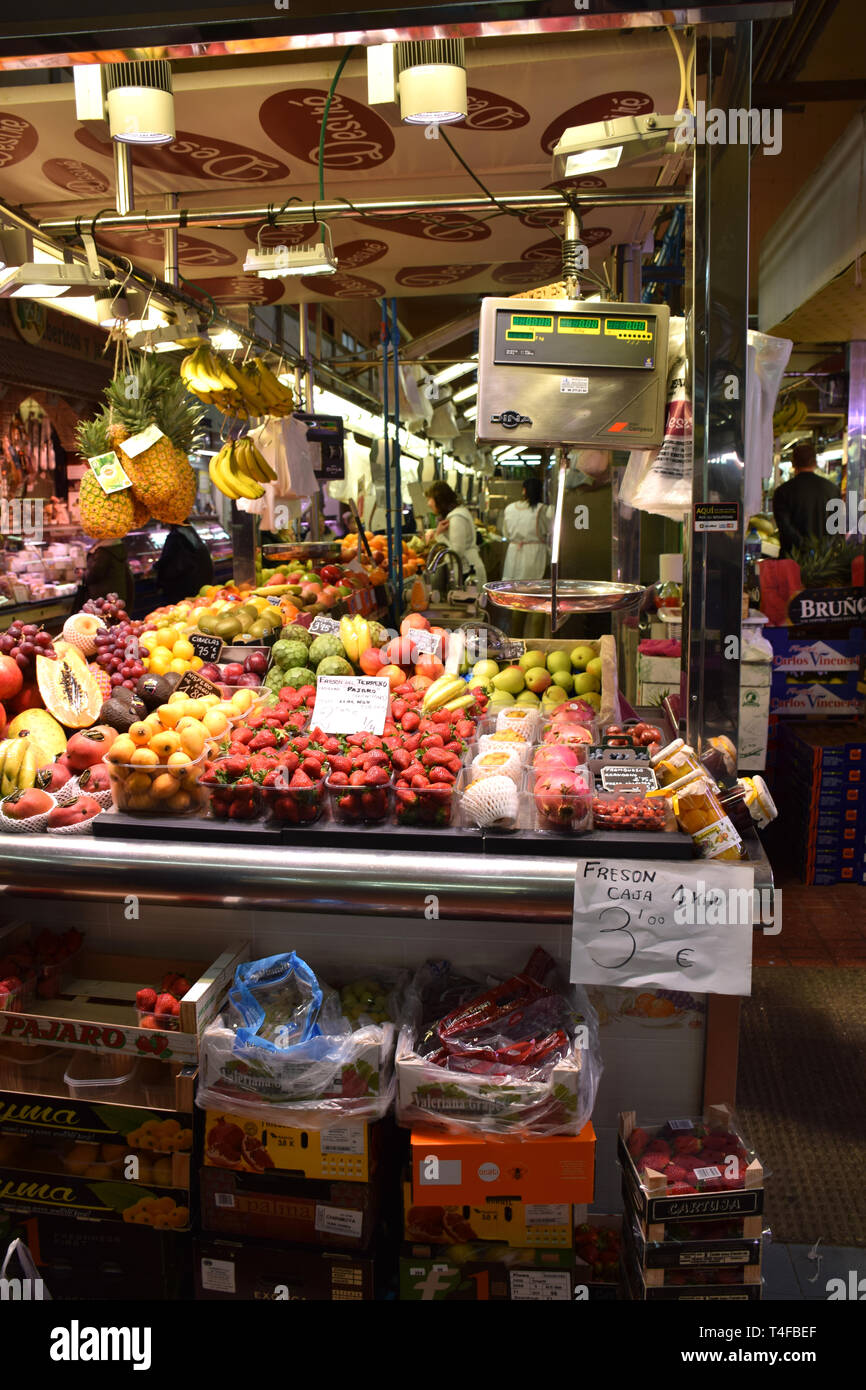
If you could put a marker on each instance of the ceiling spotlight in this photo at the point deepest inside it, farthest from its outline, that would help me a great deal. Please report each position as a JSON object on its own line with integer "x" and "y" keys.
{"x": 111, "y": 306}
{"x": 274, "y": 262}
{"x": 467, "y": 393}
{"x": 144, "y": 315}
{"x": 225, "y": 339}
{"x": 48, "y": 280}
{"x": 583, "y": 149}
{"x": 16, "y": 247}
{"x": 431, "y": 79}
{"x": 140, "y": 102}
{"x": 180, "y": 335}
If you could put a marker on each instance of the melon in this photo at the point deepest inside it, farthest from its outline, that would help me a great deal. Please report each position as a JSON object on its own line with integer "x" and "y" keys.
{"x": 80, "y": 630}
{"x": 44, "y": 732}
{"x": 68, "y": 689}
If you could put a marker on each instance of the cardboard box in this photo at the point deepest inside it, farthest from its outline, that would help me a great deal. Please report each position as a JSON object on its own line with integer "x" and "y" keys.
{"x": 304, "y": 1211}
{"x": 697, "y": 1230}
{"x": 813, "y": 655}
{"x": 449, "y": 1169}
{"x": 646, "y": 1194}
{"x": 38, "y": 1178}
{"x": 52, "y": 1117}
{"x": 346, "y": 1153}
{"x": 523, "y": 1225}
{"x": 95, "y": 1008}
{"x": 654, "y": 1289}
{"x": 704, "y": 1253}
{"x": 104, "y": 1261}
{"x": 235, "y": 1270}
{"x": 815, "y": 698}
{"x": 485, "y": 1273}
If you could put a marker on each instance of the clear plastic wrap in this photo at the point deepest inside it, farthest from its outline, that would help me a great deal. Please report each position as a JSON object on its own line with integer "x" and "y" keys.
{"x": 520, "y": 1055}
{"x": 293, "y": 1050}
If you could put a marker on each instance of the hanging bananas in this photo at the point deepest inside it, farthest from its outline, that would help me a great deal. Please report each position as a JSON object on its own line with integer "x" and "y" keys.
{"x": 239, "y": 470}
{"x": 246, "y": 392}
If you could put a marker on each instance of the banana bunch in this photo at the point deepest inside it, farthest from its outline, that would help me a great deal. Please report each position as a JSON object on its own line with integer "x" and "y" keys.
{"x": 18, "y": 765}
{"x": 239, "y": 470}
{"x": 790, "y": 416}
{"x": 245, "y": 392}
{"x": 448, "y": 692}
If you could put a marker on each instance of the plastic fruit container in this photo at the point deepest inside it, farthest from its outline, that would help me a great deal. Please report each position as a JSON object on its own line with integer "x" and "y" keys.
{"x": 48, "y": 985}
{"x": 163, "y": 1023}
{"x": 227, "y": 801}
{"x": 161, "y": 790}
{"x": 295, "y": 805}
{"x": 99, "y": 1075}
{"x": 369, "y": 803}
{"x": 563, "y": 799}
{"x": 629, "y": 808}
{"x": 432, "y": 806}
{"x": 12, "y": 1000}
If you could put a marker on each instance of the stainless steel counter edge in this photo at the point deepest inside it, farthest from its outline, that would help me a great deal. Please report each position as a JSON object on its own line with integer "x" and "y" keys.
{"x": 295, "y": 878}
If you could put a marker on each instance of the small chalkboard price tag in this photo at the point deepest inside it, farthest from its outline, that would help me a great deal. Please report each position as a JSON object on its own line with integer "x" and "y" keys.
{"x": 208, "y": 648}
{"x": 321, "y": 624}
{"x": 195, "y": 686}
{"x": 627, "y": 775}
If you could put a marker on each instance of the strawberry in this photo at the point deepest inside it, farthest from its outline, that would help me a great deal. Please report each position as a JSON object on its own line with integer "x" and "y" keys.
{"x": 687, "y": 1144}
{"x": 637, "y": 1142}
{"x": 145, "y": 1000}
{"x": 674, "y": 1173}
{"x": 164, "y": 1004}
{"x": 300, "y": 779}
{"x": 679, "y": 1189}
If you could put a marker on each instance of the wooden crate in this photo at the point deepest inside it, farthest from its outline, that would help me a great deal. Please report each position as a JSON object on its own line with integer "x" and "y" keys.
{"x": 646, "y": 1192}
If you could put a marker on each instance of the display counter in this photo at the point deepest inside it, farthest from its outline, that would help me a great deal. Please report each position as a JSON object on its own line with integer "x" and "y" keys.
{"x": 304, "y": 878}
{"x": 43, "y": 611}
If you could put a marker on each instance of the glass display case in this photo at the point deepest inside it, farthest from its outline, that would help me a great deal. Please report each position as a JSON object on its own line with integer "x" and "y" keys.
{"x": 144, "y": 548}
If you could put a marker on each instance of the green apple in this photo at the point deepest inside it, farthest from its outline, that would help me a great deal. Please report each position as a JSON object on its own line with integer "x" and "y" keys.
{"x": 594, "y": 667}
{"x": 558, "y": 661}
{"x": 526, "y": 697}
{"x": 499, "y": 699}
{"x": 593, "y": 698}
{"x": 554, "y": 695}
{"x": 510, "y": 680}
{"x": 581, "y": 657}
{"x": 538, "y": 679}
{"x": 586, "y": 682}
{"x": 530, "y": 659}
{"x": 486, "y": 669}
{"x": 565, "y": 681}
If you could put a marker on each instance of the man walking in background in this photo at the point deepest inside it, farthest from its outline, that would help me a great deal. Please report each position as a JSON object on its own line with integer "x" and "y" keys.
{"x": 800, "y": 505}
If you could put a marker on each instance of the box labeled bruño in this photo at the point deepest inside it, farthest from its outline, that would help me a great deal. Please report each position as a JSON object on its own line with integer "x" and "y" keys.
{"x": 344, "y": 1153}
{"x": 456, "y": 1169}
{"x": 523, "y": 1225}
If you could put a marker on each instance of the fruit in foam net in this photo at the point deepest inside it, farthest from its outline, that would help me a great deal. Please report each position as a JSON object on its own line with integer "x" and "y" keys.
{"x": 80, "y": 631}
{"x": 21, "y": 805}
{"x": 53, "y": 777}
{"x": 81, "y": 809}
{"x": 88, "y": 747}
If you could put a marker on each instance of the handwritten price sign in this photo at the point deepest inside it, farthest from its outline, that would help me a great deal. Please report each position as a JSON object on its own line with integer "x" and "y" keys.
{"x": 648, "y": 926}
{"x": 351, "y": 704}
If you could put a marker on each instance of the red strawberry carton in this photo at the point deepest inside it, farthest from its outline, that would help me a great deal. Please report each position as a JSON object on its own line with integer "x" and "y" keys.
{"x": 715, "y": 1251}
{"x": 688, "y": 1169}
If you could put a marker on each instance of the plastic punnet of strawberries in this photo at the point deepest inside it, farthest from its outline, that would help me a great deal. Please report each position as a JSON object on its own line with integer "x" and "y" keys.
{"x": 160, "y": 1009}
{"x": 697, "y": 1158}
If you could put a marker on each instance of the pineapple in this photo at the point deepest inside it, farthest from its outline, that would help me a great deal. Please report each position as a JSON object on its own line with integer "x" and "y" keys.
{"x": 163, "y": 480}
{"x": 105, "y": 517}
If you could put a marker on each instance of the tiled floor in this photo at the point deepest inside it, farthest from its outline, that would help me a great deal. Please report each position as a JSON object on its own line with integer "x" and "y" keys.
{"x": 821, "y": 926}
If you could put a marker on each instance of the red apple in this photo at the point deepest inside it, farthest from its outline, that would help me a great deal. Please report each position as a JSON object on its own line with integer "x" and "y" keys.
{"x": 413, "y": 620}
{"x": 257, "y": 662}
{"x": 248, "y": 680}
{"x": 11, "y": 678}
{"x": 393, "y": 674}
{"x": 231, "y": 672}
{"x": 211, "y": 672}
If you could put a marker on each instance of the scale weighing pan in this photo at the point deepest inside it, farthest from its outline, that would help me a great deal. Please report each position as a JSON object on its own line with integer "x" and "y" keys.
{"x": 571, "y": 595}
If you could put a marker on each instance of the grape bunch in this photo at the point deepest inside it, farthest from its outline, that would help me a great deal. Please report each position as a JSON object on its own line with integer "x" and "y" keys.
{"x": 119, "y": 653}
{"x": 24, "y": 642}
{"x": 111, "y": 609}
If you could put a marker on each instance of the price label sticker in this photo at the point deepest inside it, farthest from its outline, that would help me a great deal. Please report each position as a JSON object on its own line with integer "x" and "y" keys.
{"x": 423, "y": 641}
{"x": 351, "y": 704}
{"x": 145, "y": 439}
{"x": 110, "y": 472}
{"x": 323, "y": 624}
{"x": 645, "y": 926}
{"x": 208, "y": 648}
{"x": 627, "y": 774}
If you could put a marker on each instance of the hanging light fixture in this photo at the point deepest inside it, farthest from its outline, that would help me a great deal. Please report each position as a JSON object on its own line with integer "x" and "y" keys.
{"x": 275, "y": 262}
{"x": 431, "y": 78}
{"x": 140, "y": 102}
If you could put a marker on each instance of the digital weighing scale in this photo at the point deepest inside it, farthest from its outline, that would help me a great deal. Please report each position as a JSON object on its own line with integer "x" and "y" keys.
{"x": 572, "y": 372}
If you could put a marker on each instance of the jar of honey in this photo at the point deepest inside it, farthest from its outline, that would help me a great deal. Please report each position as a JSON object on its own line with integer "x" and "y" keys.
{"x": 675, "y": 761}
{"x": 700, "y": 814}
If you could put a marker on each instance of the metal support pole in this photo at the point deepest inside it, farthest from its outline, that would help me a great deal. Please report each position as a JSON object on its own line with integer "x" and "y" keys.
{"x": 171, "y": 271}
{"x": 124, "y": 190}
{"x": 392, "y": 573}
{"x": 625, "y": 556}
{"x": 856, "y": 477}
{"x": 713, "y": 568}
{"x": 306, "y": 359}
{"x": 398, "y": 481}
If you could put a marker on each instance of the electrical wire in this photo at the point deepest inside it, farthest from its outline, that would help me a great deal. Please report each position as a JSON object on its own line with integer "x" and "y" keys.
{"x": 510, "y": 212}
{"x": 333, "y": 87}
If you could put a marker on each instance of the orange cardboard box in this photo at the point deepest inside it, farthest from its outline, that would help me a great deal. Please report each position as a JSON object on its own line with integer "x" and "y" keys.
{"x": 457, "y": 1169}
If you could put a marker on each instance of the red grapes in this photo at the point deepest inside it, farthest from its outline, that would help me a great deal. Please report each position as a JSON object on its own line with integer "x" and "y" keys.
{"x": 24, "y": 642}
{"x": 118, "y": 652}
{"x": 111, "y": 609}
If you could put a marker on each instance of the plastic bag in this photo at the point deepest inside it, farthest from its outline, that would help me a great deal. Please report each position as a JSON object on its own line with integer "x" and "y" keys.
{"x": 18, "y": 1257}
{"x": 290, "y": 1050}
{"x": 521, "y": 1055}
{"x": 660, "y": 480}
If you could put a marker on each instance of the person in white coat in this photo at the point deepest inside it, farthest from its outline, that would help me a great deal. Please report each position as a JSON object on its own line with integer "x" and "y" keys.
{"x": 526, "y": 527}
{"x": 457, "y": 529}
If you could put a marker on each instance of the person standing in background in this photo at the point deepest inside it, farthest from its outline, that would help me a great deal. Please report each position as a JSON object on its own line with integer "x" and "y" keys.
{"x": 526, "y": 527}
{"x": 185, "y": 565}
{"x": 800, "y": 505}
{"x": 457, "y": 529}
{"x": 107, "y": 571}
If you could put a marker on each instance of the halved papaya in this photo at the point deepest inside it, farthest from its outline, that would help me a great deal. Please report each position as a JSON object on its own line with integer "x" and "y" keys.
{"x": 69, "y": 690}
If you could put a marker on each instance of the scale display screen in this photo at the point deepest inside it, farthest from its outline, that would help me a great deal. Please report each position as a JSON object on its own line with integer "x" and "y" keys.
{"x": 574, "y": 340}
